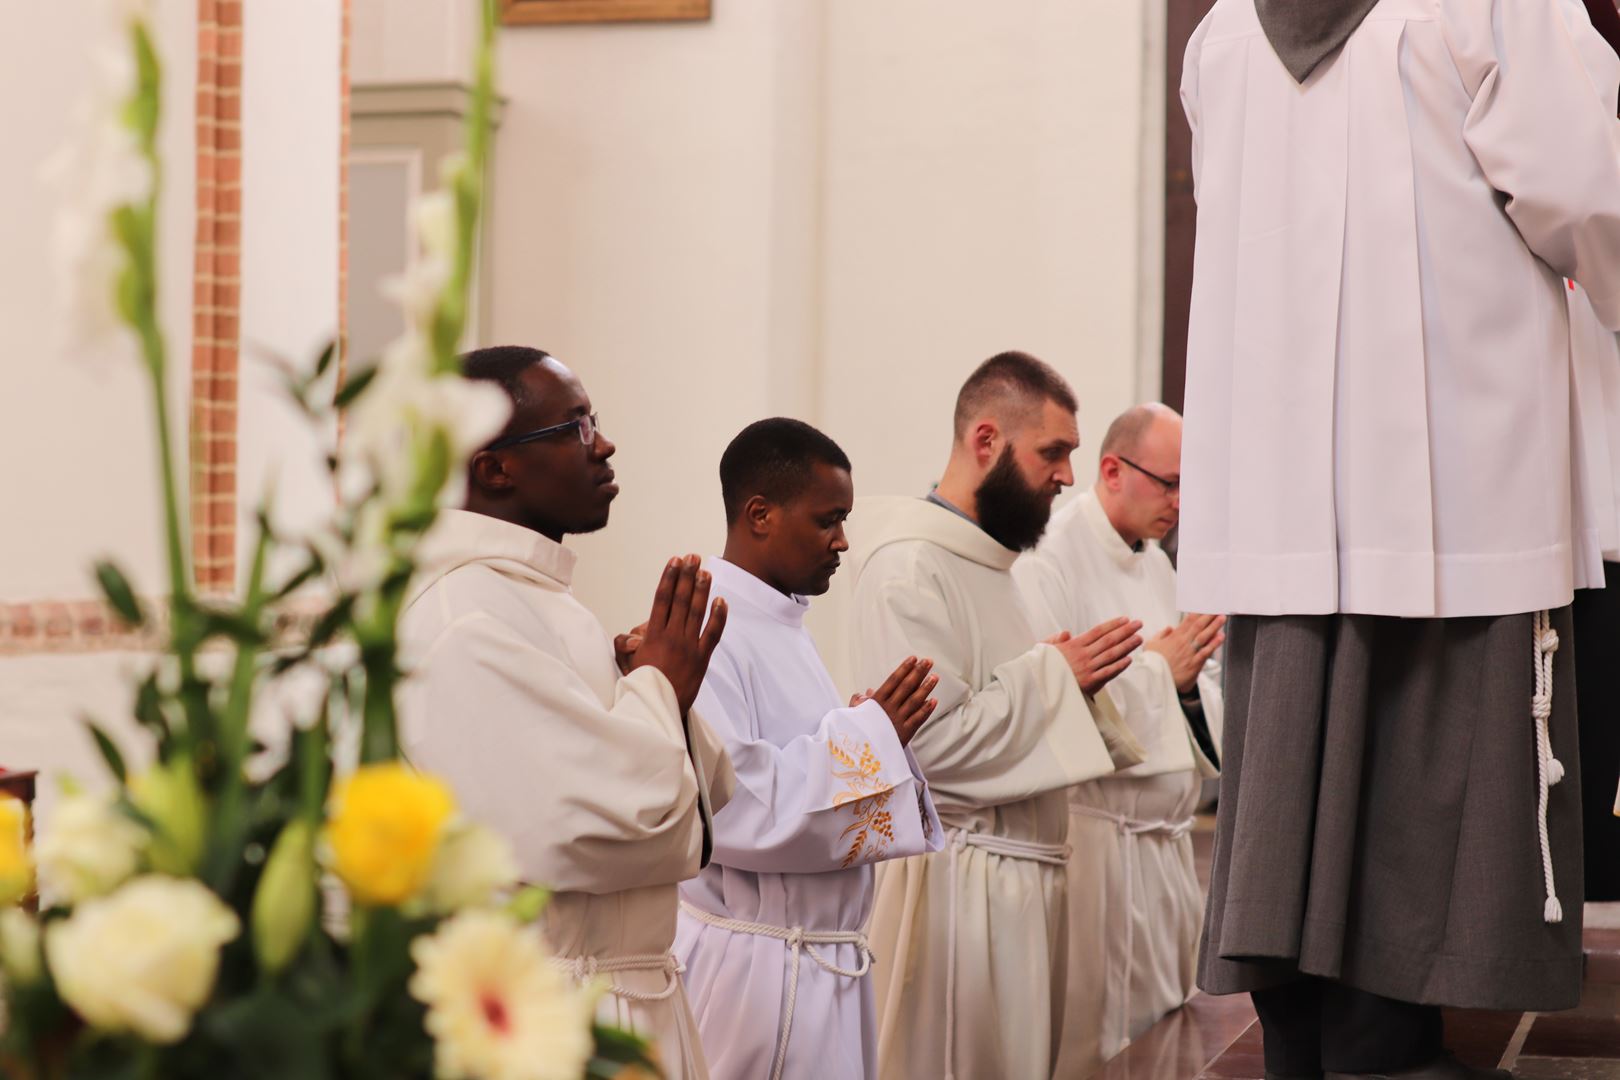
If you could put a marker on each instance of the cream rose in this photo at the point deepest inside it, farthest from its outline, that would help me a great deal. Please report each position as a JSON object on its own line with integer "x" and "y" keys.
{"x": 89, "y": 849}
{"x": 142, "y": 959}
{"x": 473, "y": 865}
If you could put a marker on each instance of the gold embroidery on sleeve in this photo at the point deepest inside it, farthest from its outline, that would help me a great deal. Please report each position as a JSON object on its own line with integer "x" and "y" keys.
{"x": 867, "y": 798}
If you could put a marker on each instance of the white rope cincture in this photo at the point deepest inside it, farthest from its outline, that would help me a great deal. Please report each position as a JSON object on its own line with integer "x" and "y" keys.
{"x": 586, "y": 968}
{"x": 1130, "y": 829}
{"x": 798, "y": 940}
{"x": 1548, "y": 767}
{"x": 1007, "y": 847}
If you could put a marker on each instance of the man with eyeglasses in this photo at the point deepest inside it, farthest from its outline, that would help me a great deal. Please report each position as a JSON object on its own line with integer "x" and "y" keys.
{"x": 583, "y": 751}
{"x": 1135, "y": 905}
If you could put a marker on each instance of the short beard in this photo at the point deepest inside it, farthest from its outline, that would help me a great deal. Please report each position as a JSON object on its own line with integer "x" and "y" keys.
{"x": 1012, "y": 512}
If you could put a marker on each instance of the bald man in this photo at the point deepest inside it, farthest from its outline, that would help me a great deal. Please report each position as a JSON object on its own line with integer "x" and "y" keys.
{"x": 970, "y": 941}
{"x": 1135, "y": 907}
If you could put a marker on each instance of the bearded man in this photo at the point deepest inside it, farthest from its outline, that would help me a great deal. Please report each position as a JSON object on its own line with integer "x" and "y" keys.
{"x": 971, "y": 941}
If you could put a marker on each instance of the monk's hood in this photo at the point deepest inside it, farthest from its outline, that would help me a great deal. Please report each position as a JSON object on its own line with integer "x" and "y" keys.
{"x": 1305, "y": 32}
{"x": 879, "y": 521}
{"x": 462, "y": 538}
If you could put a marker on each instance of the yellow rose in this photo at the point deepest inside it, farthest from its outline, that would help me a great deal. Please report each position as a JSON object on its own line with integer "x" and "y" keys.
{"x": 383, "y": 831}
{"x": 16, "y": 869}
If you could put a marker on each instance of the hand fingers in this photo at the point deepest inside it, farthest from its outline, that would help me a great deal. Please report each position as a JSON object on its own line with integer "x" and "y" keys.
{"x": 680, "y": 606}
{"x": 920, "y": 717}
{"x": 717, "y": 626}
{"x": 1057, "y": 639}
{"x": 1122, "y": 632}
{"x": 1105, "y": 674}
{"x": 886, "y": 692}
{"x": 664, "y": 597}
{"x": 701, "y": 583}
{"x": 1103, "y": 629}
{"x": 1113, "y": 652}
{"x": 919, "y": 696}
{"x": 914, "y": 677}
{"x": 1207, "y": 651}
{"x": 860, "y": 699}
{"x": 1166, "y": 632}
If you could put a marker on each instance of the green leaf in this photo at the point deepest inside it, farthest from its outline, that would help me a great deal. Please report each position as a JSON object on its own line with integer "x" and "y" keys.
{"x": 149, "y": 708}
{"x": 354, "y": 386}
{"x": 109, "y": 751}
{"x": 617, "y": 1050}
{"x": 324, "y": 362}
{"x": 120, "y": 597}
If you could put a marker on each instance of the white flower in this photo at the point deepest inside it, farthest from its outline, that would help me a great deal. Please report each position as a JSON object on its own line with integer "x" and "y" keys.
{"x": 89, "y": 849}
{"x": 143, "y": 959}
{"x": 496, "y": 1007}
{"x": 99, "y": 171}
{"x": 19, "y": 946}
{"x": 473, "y": 865}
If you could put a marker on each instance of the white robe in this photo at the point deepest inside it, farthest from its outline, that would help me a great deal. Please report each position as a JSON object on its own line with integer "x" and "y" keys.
{"x": 1378, "y": 360}
{"x": 1135, "y": 905}
{"x": 970, "y": 941}
{"x": 823, "y": 792}
{"x": 515, "y": 700}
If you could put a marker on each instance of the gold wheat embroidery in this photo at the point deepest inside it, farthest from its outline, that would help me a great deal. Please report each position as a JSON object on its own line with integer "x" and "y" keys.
{"x": 867, "y": 798}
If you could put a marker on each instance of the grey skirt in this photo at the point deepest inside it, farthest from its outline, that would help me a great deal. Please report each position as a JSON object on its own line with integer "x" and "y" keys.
{"x": 1378, "y": 820}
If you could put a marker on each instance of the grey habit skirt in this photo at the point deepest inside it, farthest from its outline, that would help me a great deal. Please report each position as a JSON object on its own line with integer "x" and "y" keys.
{"x": 1378, "y": 820}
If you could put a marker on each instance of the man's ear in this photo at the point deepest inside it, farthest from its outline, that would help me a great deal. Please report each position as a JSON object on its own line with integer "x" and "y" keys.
{"x": 757, "y": 513}
{"x": 1109, "y": 470}
{"x": 488, "y": 472}
{"x": 986, "y": 442}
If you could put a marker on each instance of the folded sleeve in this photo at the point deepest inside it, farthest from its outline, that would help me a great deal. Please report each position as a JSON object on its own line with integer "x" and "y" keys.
{"x": 1027, "y": 730}
{"x": 594, "y": 798}
{"x": 1545, "y": 136}
{"x": 847, "y": 794}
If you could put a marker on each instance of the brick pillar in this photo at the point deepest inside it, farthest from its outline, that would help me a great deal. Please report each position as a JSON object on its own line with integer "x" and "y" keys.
{"x": 216, "y": 326}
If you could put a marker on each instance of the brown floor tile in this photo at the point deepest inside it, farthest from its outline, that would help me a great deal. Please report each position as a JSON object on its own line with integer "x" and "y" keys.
{"x": 1183, "y": 1043}
{"x": 1566, "y": 1069}
{"x": 1479, "y": 1038}
{"x": 1569, "y": 1035}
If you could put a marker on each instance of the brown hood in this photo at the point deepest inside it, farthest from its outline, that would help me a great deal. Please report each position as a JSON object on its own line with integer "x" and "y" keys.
{"x": 1306, "y": 32}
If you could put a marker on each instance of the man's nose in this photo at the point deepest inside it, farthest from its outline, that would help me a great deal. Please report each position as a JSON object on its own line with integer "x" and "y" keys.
{"x": 1065, "y": 475}
{"x": 603, "y": 448}
{"x": 840, "y": 542}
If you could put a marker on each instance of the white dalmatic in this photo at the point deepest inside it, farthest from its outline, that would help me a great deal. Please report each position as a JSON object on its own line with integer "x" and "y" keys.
{"x": 777, "y": 967}
{"x": 970, "y": 941}
{"x": 1379, "y": 288}
{"x": 514, "y": 698}
{"x": 1135, "y": 905}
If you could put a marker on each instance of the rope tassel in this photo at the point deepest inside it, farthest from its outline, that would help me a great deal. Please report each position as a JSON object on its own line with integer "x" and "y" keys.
{"x": 1550, "y": 770}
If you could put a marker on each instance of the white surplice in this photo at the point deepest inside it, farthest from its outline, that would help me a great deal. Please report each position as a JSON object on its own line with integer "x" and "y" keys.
{"x": 823, "y": 792}
{"x": 515, "y": 700}
{"x": 1135, "y": 905}
{"x": 1378, "y": 358}
{"x": 970, "y": 941}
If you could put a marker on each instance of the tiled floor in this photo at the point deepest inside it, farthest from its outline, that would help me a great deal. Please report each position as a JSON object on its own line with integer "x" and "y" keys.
{"x": 1218, "y": 1039}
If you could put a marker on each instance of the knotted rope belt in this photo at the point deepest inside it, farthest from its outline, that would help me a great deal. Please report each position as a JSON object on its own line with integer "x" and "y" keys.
{"x": 798, "y": 940}
{"x": 583, "y": 968}
{"x": 1007, "y": 848}
{"x": 1131, "y": 829}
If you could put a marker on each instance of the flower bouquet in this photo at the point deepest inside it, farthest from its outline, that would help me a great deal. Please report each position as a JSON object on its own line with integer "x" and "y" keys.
{"x": 185, "y": 934}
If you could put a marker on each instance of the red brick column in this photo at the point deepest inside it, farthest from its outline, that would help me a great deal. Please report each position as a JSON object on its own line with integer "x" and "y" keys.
{"x": 216, "y": 325}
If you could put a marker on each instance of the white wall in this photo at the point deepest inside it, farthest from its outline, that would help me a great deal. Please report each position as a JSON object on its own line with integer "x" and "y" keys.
{"x": 291, "y": 115}
{"x": 75, "y": 432}
{"x": 830, "y": 209}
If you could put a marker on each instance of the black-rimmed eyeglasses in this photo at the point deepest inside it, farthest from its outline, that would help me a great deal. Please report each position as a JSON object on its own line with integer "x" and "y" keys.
{"x": 587, "y": 426}
{"x": 1171, "y": 487}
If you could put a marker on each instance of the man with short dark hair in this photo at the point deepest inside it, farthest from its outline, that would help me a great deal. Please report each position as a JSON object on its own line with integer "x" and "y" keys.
{"x": 1135, "y": 905}
{"x": 602, "y": 779}
{"x": 771, "y": 932}
{"x": 971, "y": 941}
